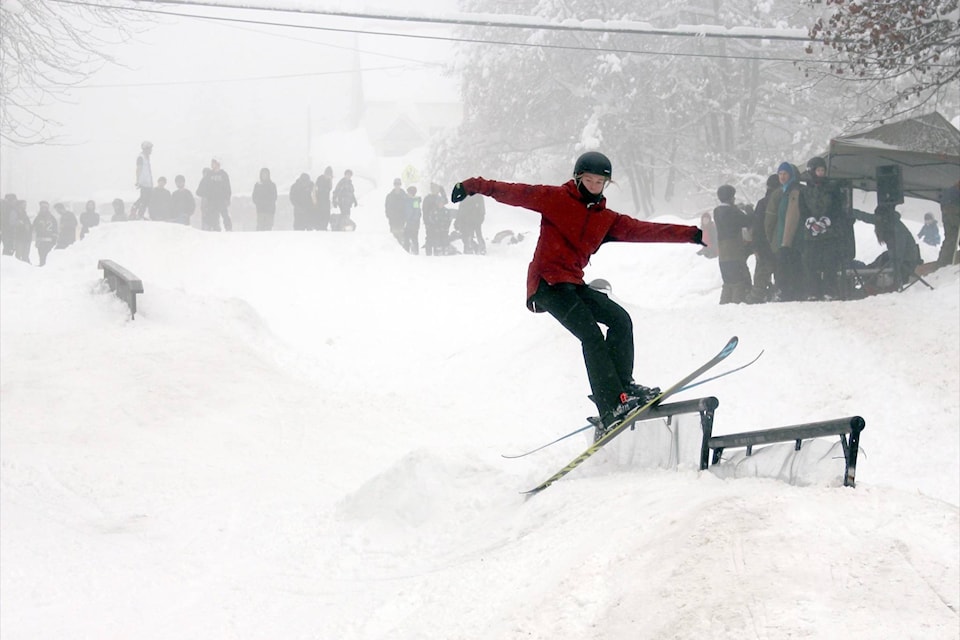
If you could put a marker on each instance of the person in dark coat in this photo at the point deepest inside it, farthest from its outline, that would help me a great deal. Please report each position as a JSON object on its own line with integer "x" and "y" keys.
{"x": 44, "y": 231}
{"x": 731, "y": 246}
{"x": 265, "y": 200}
{"x": 215, "y": 190}
{"x": 436, "y": 222}
{"x": 119, "y": 215}
{"x": 394, "y": 207}
{"x": 469, "y": 223}
{"x": 8, "y": 223}
{"x": 321, "y": 199}
{"x": 89, "y": 218}
{"x": 822, "y": 207}
{"x": 160, "y": 205}
{"x": 301, "y": 197}
{"x": 67, "y": 233}
{"x": 950, "y": 216}
{"x": 182, "y": 202}
{"x": 411, "y": 228}
{"x": 902, "y": 253}
{"x": 930, "y": 231}
{"x": 574, "y": 223}
{"x": 345, "y": 198}
{"x": 760, "y": 247}
{"x": 23, "y": 232}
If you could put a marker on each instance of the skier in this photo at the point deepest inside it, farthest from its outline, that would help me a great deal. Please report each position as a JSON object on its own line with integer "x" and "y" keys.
{"x": 574, "y": 223}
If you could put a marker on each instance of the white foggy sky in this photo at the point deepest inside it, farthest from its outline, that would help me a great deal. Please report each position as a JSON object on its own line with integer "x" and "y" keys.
{"x": 165, "y": 91}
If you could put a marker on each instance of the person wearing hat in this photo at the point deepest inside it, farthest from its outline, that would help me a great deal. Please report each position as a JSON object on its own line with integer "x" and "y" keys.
{"x": 731, "y": 247}
{"x": 822, "y": 208}
{"x": 394, "y": 207}
{"x": 574, "y": 223}
{"x": 785, "y": 238}
{"x": 144, "y": 181}
{"x": 930, "y": 231}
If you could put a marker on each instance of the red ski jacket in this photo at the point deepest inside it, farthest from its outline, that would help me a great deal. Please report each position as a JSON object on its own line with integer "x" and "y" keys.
{"x": 570, "y": 231}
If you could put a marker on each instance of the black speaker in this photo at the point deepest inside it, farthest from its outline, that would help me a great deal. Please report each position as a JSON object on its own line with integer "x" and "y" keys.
{"x": 889, "y": 184}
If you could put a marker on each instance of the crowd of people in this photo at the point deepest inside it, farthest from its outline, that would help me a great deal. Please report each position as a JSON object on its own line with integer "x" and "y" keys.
{"x": 801, "y": 233}
{"x": 404, "y": 210}
{"x": 317, "y": 205}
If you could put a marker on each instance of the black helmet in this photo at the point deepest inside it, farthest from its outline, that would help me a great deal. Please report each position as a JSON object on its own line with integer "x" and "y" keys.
{"x": 726, "y": 193}
{"x": 816, "y": 161}
{"x": 593, "y": 162}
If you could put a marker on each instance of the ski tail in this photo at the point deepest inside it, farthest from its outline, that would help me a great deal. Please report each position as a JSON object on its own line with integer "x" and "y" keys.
{"x": 636, "y": 414}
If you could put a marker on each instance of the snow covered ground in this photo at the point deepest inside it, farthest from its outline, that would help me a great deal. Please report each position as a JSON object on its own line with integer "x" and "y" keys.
{"x": 300, "y": 434}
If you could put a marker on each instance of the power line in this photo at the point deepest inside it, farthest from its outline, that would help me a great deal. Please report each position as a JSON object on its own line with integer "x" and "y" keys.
{"x": 522, "y": 22}
{"x": 599, "y": 49}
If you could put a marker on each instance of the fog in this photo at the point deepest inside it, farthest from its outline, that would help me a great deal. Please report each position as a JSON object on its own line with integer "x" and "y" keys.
{"x": 253, "y": 95}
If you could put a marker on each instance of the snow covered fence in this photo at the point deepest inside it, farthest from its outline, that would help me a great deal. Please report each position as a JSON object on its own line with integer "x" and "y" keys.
{"x": 122, "y": 282}
{"x": 843, "y": 427}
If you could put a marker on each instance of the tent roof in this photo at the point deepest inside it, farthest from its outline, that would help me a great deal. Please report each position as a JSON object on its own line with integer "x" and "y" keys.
{"x": 927, "y": 149}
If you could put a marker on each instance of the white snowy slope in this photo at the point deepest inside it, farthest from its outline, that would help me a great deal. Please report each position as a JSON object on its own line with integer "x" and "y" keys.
{"x": 299, "y": 436}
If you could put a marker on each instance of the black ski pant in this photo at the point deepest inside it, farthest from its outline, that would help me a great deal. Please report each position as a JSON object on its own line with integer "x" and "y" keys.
{"x": 609, "y": 358}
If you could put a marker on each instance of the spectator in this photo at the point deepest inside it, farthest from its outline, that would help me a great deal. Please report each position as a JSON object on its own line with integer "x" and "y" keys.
{"x": 144, "y": 181}
{"x": 215, "y": 193}
{"x": 302, "y": 200}
{"x": 822, "y": 210}
{"x": 950, "y": 216}
{"x": 436, "y": 222}
{"x": 265, "y": 200}
{"x": 321, "y": 199}
{"x": 786, "y": 236}
{"x": 23, "y": 232}
{"x": 731, "y": 247}
{"x": 89, "y": 218}
{"x": 902, "y": 253}
{"x": 760, "y": 246}
{"x": 930, "y": 232}
{"x": 8, "y": 224}
{"x": 395, "y": 207}
{"x": 160, "y": 206}
{"x": 119, "y": 215}
{"x": 709, "y": 248}
{"x": 44, "y": 231}
{"x": 344, "y": 197}
{"x": 411, "y": 228}
{"x": 182, "y": 202}
{"x": 68, "y": 226}
{"x": 469, "y": 223}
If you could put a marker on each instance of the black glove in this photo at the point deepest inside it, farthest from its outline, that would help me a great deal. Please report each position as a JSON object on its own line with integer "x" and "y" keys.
{"x": 459, "y": 193}
{"x": 698, "y": 238}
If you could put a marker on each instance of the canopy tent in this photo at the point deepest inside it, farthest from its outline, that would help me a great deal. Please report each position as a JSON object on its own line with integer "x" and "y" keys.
{"x": 926, "y": 148}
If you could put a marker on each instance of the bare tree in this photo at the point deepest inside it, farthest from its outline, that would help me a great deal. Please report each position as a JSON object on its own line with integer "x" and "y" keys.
{"x": 913, "y": 45}
{"x": 47, "y": 46}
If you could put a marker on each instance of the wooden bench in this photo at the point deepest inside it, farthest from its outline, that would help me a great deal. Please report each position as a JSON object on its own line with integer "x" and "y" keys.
{"x": 122, "y": 282}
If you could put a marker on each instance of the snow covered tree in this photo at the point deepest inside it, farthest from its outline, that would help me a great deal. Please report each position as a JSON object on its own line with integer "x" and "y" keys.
{"x": 45, "y": 48}
{"x": 680, "y": 114}
{"x": 913, "y": 43}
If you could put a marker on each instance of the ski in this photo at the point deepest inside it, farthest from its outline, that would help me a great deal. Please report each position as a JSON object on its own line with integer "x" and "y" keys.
{"x": 590, "y": 426}
{"x": 635, "y": 415}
